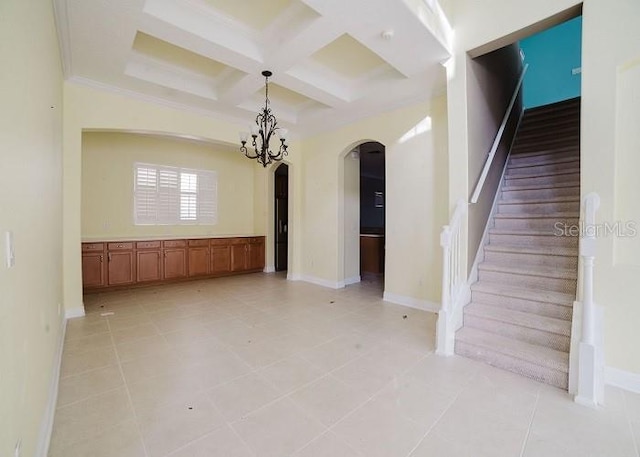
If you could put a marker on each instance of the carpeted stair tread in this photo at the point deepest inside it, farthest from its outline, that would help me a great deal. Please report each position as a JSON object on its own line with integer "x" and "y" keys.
{"x": 520, "y": 201}
{"x": 524, "y": 232}
{"x": 553, "y": 215}
{"x": 520, "y": 318}
{"x": 532, "y": 353}
{"x": 546, "y": 296}
{"x": 541, "y": 152}
{"x": 566, "y": 171}
{"x": 530, "y": 270}
{"x": 551, "y": 161}
{"x": 537, "y": 250}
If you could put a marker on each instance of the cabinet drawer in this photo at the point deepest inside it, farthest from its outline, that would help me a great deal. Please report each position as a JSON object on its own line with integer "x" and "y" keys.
{"x": 220, "y": 241}
{"x": 174, "y": 243}
{"x": 256, "y": 239}
{"x": 89, "y": 247}
{"x": 198, "y": 243}
{"x": 148, "y": 245}
{"x": 120, "y": 246}
{"x": 238, "y": 241}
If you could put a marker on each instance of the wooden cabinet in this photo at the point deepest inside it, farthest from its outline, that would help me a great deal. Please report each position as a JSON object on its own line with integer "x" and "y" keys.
{"x": 372, "y": 254}
{"x": 174, "y": 257}
{"x": 198, "y": 258}
{"x": 239, "y": 255}
{"x": 256, "y": 254}
{"x": 148, "y": 261}
{"x": 121, "y": 264}
{"x": 93, "y": 265}
{"x": 220, "y": 256}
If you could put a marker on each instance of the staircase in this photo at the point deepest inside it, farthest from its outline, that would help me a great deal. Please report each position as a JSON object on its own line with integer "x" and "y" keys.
{"x": 519, "y": 318}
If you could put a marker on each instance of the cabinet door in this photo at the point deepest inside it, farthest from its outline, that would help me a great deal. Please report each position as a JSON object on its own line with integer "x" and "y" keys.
{"x": 175, "y": 263}
{"x": 239, "y": 257}
{"x": 149, "y": 266}
{"x": 256, "y": 256}
{"x": 220, "y": 259}
{"x": 93, "y": 269}
{"x": 121, "y": 267}
{"x": 198, "y": 261}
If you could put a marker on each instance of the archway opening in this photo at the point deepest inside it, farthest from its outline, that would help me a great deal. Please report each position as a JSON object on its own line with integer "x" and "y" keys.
{"x": 281, "y": 217}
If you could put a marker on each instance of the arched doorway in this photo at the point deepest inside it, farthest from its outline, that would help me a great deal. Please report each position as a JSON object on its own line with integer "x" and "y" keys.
{"x": 281, "y": 217}
{"x": 363, "y": 213}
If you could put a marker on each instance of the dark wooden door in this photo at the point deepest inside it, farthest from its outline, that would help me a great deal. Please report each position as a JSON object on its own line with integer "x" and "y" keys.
{"x": 281, "y": 228}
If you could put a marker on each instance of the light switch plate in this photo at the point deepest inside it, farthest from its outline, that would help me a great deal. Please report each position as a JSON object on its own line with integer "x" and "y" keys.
{"x": 8, "y": 249}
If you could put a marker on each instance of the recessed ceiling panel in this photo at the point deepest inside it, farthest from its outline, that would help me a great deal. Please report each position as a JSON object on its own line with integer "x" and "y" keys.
{"x": 256, "y": 14}
{"x": 177, "y": 56}
{"x": 348, "y": 57}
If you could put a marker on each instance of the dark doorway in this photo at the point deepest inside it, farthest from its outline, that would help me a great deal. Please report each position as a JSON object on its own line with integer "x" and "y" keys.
{"x": 281, "y": 228}
{"x": 372, "y": 211}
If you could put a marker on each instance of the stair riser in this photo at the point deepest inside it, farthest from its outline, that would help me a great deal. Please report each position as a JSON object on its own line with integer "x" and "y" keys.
{"x": 542, "y": 118}
{"x": 532, "y": 194}
{"x": 542, "y": 169}
{"x": 559, "y": 146}
{"x": 553, "y": 284}
{"x": 516, "y": 332}
{"x": 512, "y": 258}
{"x": 543, "y": 180}
{"x": 538, "y": 208}
{"x": 533, "y": 223}
{"x": 520, "y": 304}
{"x": 543, "y": 159}
{"x": 543, "y": 131}
{"x": 533, "y": 240}
{"x": 521, "y": 367}
{"x": 539, "y": 141}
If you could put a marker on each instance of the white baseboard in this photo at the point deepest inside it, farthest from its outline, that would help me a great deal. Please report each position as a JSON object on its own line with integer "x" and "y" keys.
{"x": 317, "y": 281}
{"x": 74, "y": 312}
{"x": 46, "y": 426}
{"x": 269, "y": 269}
{"x": 352, "y": 280}
{"x": 625, "y": 380}
{"x": 411, "y": 302}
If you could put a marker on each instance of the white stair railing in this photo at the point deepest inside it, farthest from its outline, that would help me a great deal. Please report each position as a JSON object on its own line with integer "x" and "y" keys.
{"x": 453, "y": 280}
{"x": 590, "y": 370}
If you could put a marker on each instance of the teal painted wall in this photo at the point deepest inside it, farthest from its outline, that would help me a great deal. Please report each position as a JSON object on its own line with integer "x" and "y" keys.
{"x": 551, "y": 56}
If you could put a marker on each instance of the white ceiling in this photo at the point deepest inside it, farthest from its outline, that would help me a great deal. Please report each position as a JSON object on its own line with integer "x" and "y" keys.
{"x": 330, "y": 61}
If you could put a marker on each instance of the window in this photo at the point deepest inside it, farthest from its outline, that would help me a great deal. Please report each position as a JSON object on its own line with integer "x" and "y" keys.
{"x": 174, "y": 196}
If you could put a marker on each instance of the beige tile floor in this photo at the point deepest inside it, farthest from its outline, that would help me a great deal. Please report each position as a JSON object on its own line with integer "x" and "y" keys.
{"x": 258, "y": 366}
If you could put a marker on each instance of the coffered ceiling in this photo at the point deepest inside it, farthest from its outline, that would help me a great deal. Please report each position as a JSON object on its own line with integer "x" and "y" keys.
{"x": 334, "y": 61}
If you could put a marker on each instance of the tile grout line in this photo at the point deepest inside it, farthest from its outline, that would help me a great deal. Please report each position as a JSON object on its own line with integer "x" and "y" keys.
{"x": 630, "y": 424}
{"x": 126, "y": 386}
{"x": 448, "y": 407}
{"x": 533, "y": 416}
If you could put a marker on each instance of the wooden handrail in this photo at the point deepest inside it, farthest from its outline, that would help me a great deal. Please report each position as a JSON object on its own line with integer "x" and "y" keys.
{"x": 497, "y": 139}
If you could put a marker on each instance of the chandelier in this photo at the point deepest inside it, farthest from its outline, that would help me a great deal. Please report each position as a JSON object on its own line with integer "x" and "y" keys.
{"x": 265, "y": 127}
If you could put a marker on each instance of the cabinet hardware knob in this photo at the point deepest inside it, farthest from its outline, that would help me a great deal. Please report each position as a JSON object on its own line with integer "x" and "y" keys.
{"x": 109, "y": 257}
{"x": 101, "y": 258}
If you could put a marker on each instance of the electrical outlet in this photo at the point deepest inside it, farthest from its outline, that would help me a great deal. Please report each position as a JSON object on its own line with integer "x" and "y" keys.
{"x": 576, "y": 71}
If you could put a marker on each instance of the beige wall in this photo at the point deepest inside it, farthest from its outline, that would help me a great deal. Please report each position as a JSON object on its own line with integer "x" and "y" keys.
{"x": 610, "y": 44}
{"x": 30, "y": 207}
{"x": 88, "y": 109}
{"x": 107, "y": 185}
{"x": 611, "y": 51}
{"x": 416, "y": 146}
{"x": 491, "y": 80}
